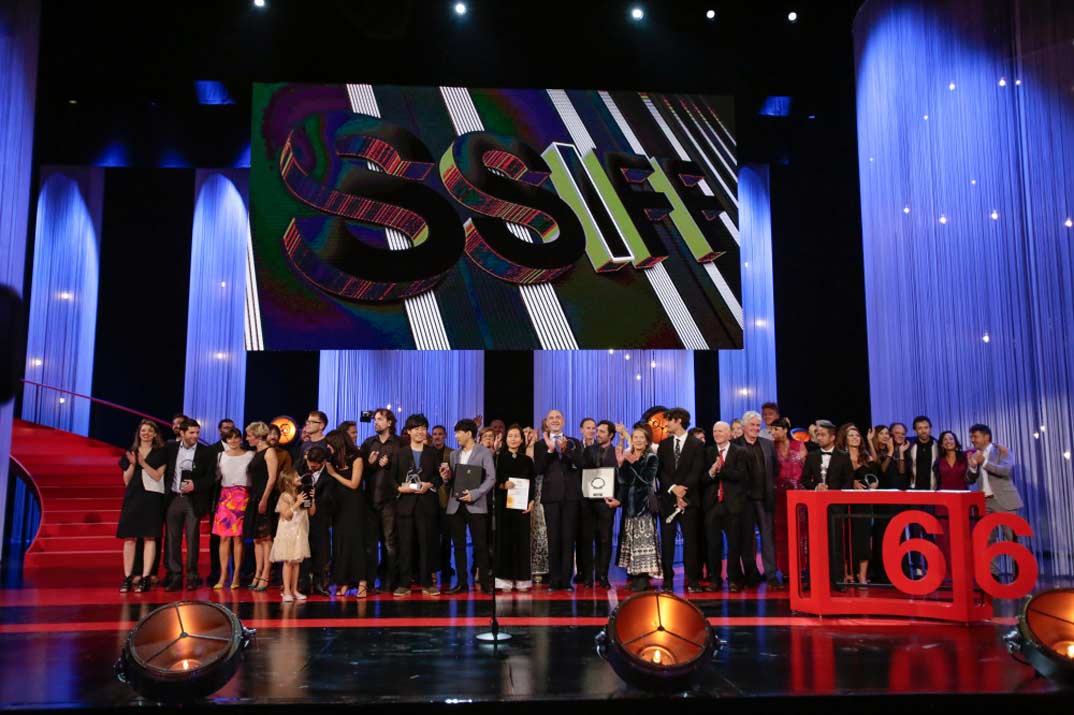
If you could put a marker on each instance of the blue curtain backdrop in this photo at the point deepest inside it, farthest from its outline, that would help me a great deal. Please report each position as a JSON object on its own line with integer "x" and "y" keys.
{"x": 618, "y": 385}
{"x": 215, "y": 384}
{"x": 444, "y": 385}
{"x": 965, "y": 129}
{"x": 63, "y": 298}
{"x": 19, "y": 23}
{"x": 748, "y": 376}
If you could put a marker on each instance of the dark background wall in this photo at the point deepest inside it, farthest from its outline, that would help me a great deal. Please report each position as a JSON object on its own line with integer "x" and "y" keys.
{"x": 116, "y": 87}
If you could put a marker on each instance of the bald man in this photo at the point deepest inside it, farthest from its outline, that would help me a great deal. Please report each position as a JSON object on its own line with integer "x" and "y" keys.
{"x": 557, "y": 458}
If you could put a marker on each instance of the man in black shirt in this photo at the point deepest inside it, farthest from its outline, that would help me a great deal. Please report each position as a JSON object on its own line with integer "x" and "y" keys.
{"x": 381, "y": 452}
{"x": 598, "y": 515}
{"x": 441, "y": 560}
{"x": 763, "y": 467}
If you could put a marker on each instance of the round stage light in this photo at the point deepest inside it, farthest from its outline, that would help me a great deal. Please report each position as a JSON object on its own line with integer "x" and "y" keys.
{"x": 792, "y": 16}
{"x": 288, "y": 428}
{"x": 460, "y": 8}
{"x": 637, "y": 13}
{"x": 1045, "y": 635}
{"x": 183, "y": 651}
{"x": 259, "y": 3}
{"x": 710, "y": 14}
{"x": 799, "y": 434}
{"x": 658, "y": 641}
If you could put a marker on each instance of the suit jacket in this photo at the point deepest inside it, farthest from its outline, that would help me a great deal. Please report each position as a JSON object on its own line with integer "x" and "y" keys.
{"x": 840, "y": 471}
{"x": 481, "y": 457}
{"x": 760, "y": 484}
{"x": 203, "y": 476}
{"x": 430, "y": 472}
{"x": 591, "y": 459}
{"x": 999, "y": 470}
{"x": 688, "y": 473}
{"x": 732, "y": 476}
{"x": 560, "y": 471}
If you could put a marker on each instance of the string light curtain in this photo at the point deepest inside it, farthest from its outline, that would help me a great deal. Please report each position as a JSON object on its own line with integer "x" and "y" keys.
{"x": 748, "y": 376}
{"x": 965, "y": 129}
{"x": 617, "y": 385}
{"x": 19, "y": 22}
{"x": 444, "y": 385}
{"x": 63, "y": 298}
{"x": 215, "y": 383}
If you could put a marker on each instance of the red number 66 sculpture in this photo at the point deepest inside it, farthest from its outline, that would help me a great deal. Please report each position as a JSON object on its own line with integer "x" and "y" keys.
{"x": 970, "y": 556}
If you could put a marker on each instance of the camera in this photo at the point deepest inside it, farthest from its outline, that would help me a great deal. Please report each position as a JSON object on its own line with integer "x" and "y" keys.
{"x": 305, "y": 486}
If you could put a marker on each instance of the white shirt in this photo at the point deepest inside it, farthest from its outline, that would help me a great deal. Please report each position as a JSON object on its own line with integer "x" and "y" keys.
{"x": 985, "y": 486}
{"x": 464, "y": 457}
{"x": 825, "y": 460}
{"x": 316, "y": 475}
{"x": 184, "y": 460}
{"x": 233, "y": 470}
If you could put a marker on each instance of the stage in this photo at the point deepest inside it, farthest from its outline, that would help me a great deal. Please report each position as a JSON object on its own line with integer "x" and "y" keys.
{"x": 58, "y": 643}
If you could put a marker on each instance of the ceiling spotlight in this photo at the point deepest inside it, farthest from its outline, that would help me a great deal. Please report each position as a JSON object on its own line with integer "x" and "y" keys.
{"x": 906, "y": 209}
{"x": 652, "y": 364}
{"x": 259, "y": 3}
{"x": 1043, "y": 428}
{"x": 760, "y": 323}
{"x": 1002, "y": 81}
{"x": 72, "y": 101}
{"x": 611, "y": 351}
{"x": 1069, "y": 223}
{"x": 986, "y": 338}
{"x": 460, "y": 8}
{"x": 223, "y": 284}
{"x": 951, "y": 86}
{"x": 792, "y": 16}
{"x": 220, "y": 356}
{"x": 710, "y": 14}
{"x": 63, "y": 400}
{"x": 38, "y": 362}
{"x": 973, "y": 182}
{"x": 926, "y": 117}
{"x": 994, "y": 215}
{"x": 1045, "y": 635}
{"x": 943, "y": 219}
{"x": 636, "y": 13}
{"x": 1066, "y": 456}
{"x": 1017, "y": 83}
{"x": 626, "y": 356}
{"x": 183, "y": 651}
{"x": 658, "y": 641}
{"x": 638, "y": 376}
{"x": 1036, "y": 435}
{"x": 67, "y": 295}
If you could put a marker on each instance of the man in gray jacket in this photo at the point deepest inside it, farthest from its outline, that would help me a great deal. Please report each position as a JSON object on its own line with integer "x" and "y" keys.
{"x": 990, "y": 467}
{"x": 470, "y": 508}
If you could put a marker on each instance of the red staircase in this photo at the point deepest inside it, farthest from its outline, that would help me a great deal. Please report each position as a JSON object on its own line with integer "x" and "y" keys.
{"x": 81, "y": 490}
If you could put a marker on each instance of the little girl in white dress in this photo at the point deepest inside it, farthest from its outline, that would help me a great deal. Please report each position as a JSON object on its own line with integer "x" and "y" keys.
{"x": 292, "y": 543}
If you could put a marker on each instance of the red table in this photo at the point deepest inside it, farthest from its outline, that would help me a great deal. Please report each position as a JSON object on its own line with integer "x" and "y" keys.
{"x": 966, "y": 563}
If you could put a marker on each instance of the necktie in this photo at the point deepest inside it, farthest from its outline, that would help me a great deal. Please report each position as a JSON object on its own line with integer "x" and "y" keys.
{"x": 719, "y": 468}
{"x": 678, "y": 451}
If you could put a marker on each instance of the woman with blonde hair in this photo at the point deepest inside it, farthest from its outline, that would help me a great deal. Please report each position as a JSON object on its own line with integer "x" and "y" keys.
{"x": 258, "y": 523}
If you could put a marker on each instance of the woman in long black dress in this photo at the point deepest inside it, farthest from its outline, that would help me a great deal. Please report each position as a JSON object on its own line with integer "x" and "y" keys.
{"x": 142, "y": 513}
{"x": 351, "y": 519}
{"x": 259, "y": 523}
{"x": 513, "y": 525}
{"x": 864, "y": 465}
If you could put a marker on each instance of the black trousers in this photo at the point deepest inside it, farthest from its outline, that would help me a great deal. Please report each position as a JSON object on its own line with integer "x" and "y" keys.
{"x": 478, "y": 524}
{"x": 720, "y": 524}
{"x": 561, "y": 519}
{"x": 689, "y": 522}
{"x": 180, "y": 519}
{"x": 315, "y": 569}
{"x": 417, "y": 531}
{"x": 595, "y": 545}
{"x": 385, "y": 522}
{"x": 747, "y": 545}
{"x": 443, "y": 564}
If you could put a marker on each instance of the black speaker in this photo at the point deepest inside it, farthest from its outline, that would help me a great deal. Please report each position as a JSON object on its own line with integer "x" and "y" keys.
{"x": 12, "y": 339}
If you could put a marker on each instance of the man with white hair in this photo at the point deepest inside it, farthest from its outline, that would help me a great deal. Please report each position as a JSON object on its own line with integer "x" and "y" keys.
{"x": 761, "y": 466}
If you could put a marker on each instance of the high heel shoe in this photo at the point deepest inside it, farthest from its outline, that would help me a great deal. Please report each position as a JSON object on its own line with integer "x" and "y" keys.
{"x": 218, "y": 586}
{"x": 262, "y": 587}
{"x": 234, "y": 585}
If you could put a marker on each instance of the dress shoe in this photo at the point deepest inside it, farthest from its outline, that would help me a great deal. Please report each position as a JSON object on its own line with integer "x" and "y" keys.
{"x": 588, "y": 584}
{"x": 173, "y": 584}
{"x": 192, "y": 582}
{"x": 716, "y": 585}
{"x": 487, "y": 590}
{"x": 320, "y": 590}
{"x": 458, "y": 588}
{"x": 694, "y": 588}
{"x": 401, "y": 592}
{"x": 735, "y": 587}
{"x": 776, "y": 586}
{"x": 605, "y": 584}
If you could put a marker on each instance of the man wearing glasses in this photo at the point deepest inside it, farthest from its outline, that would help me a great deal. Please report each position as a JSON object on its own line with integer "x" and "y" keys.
{"x": 313, "y": 435}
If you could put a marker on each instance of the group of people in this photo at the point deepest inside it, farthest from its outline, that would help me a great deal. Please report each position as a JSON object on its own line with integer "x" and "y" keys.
{"x": 393, "y": 510}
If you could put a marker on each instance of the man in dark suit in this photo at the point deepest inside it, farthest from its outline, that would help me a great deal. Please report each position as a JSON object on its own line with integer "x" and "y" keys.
{"x": 682, "y": 469}
{"x": 558, "y": 459}
{"x": 724, "y": 501}
{"x": 188, "y": 485}
{"x": 829, "y": 468}
{"x": 598, "y": 515}
{"x": 314, "y": 570}
{"x": 382, "y": 452}
{"x": 762, "y": 466}
{"x": 418, "y": 478}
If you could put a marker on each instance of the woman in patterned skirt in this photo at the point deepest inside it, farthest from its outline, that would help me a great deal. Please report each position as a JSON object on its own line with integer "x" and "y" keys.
{"x": 538, "y": 526}
{"x": 231, "y": 470}
{"x": 639, "y": 542}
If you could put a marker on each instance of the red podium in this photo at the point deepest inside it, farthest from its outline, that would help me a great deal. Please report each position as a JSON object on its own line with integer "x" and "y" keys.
{"x": 966, "y": 564}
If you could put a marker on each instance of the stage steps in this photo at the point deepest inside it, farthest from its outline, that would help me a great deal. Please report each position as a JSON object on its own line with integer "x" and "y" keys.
{"x": 81, "y": 491}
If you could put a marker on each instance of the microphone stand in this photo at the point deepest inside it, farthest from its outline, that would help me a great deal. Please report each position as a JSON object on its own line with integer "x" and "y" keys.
{"x": 494, "y": 634}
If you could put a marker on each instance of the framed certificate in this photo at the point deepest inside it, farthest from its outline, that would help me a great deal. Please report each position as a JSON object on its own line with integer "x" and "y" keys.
{"x": 598, "y": 483}
{"x": 518, "y": 496}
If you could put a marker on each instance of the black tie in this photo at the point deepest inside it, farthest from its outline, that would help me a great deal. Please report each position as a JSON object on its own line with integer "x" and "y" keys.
{"x": 678, "y": 451}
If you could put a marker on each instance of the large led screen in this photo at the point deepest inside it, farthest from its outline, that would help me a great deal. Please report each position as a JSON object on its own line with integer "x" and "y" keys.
{"x": 387, "y": 217}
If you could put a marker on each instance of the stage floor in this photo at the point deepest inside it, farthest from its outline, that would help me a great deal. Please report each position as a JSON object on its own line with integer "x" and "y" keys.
{"x": 58, "y": 645}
